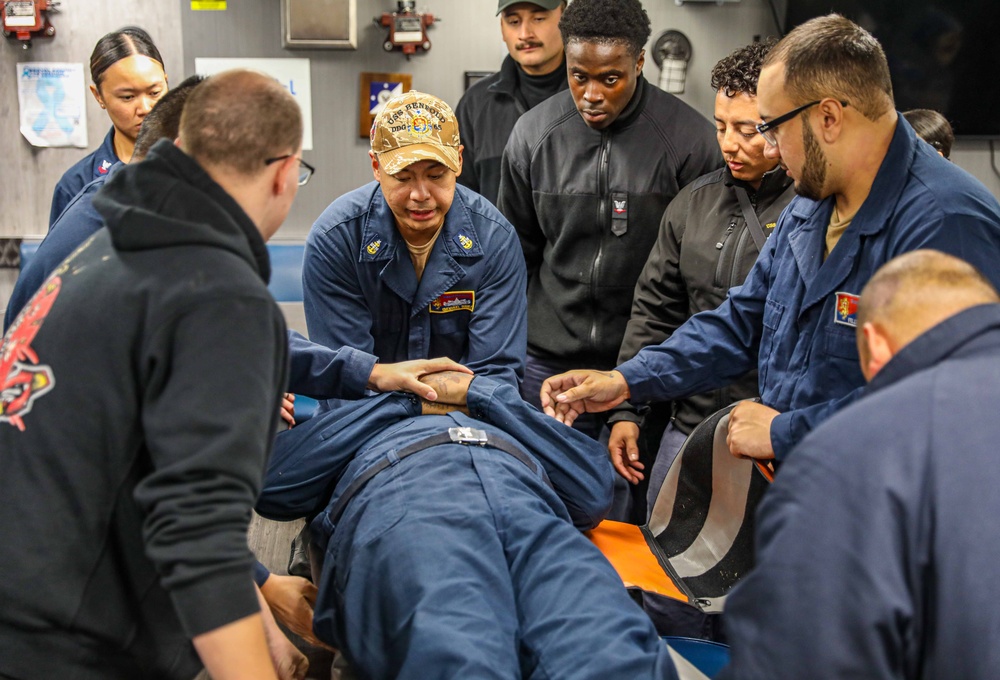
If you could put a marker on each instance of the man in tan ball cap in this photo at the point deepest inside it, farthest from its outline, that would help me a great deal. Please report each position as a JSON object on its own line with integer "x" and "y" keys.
{"x": 411, "y": 266}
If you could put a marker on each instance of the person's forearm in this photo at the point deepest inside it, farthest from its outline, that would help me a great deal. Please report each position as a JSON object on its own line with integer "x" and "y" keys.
{"x": 237, "y": 650}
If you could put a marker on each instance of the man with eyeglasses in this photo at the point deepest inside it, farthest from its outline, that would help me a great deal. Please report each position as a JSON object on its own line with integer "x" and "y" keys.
{"x": 138, "y": 395}
{"x": 868, "y": 191}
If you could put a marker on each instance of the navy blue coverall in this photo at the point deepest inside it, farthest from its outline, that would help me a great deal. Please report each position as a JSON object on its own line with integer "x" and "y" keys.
{"x": 878, "y": 545}
{"x": 788, "y": 318}
{"x": 460, "y": 561}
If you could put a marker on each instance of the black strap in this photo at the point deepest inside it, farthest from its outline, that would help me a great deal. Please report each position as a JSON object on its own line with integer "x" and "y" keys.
{"x": 450, "y": 437}
{"x": 750, "y": 215}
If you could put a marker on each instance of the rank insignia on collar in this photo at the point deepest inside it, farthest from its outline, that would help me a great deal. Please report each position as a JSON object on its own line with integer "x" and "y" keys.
{"x": 464, "y": 241}
{"x": 105, "y": 166}
{"x": 374, "y": 246}
{"x": 846, "y": 310}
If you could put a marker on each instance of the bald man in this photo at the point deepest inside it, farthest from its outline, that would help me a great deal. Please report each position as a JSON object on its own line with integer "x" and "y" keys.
{"x": 877, "y": 545}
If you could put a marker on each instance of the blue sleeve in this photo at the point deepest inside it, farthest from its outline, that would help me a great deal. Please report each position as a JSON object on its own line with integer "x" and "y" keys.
{"x": 577, "y": 465}
{"x": 336, "y": 309}
{"x": 308, "y": 460}
{"x": 323, "y": 373}
{"x": 260, "y": 574}
{"x": 791, "y": 427}
{"x": 61, "y": 197}
{"x": 970, "y": 236}
{"x": 710, "y": 349}
{"x": 498, "y": 329}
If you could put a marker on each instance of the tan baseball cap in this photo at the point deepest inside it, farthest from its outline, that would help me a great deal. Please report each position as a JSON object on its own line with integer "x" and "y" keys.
{"x": 544, "y": 4}
{"x": 415, "y": 127}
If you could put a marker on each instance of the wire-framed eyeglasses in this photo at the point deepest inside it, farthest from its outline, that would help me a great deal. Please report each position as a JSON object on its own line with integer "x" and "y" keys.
{"x": 305, "y": 170}
{"x": 767, "y": 129}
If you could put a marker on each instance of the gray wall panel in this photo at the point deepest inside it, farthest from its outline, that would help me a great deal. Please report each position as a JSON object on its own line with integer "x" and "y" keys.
{"x": 467, "y": 38}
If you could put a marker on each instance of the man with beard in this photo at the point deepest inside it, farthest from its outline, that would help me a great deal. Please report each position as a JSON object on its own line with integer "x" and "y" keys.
{"x": 868, "y": 191}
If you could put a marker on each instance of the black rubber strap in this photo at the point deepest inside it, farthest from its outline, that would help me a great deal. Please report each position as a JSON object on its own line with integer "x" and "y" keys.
{"x": 750, "y": 215}
{"x": 492, "y": 441}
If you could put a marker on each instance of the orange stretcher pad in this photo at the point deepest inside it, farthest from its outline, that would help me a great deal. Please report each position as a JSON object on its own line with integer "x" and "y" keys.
{"x": 626, "y": 548}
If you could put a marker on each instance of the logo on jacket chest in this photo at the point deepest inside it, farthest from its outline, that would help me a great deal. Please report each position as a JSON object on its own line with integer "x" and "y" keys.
{"x": 454, "y": 301}
{"x": 619, "y": 213}
{"x": 846, "y": 310}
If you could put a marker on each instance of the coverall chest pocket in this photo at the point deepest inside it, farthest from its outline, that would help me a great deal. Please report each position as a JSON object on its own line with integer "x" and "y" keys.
{"x": 842, "y": 343}
{"x": 774, "y": 311}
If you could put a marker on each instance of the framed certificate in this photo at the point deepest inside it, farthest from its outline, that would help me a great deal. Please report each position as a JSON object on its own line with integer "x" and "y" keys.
{"x": 376, "y": 90}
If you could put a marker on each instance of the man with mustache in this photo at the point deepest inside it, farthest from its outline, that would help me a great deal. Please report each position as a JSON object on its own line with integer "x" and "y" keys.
{"x": 534, "y": 70}
{"x": 585, "y": 179}
{"x": 869, "y": 190}
{"x": 709, "y": 239}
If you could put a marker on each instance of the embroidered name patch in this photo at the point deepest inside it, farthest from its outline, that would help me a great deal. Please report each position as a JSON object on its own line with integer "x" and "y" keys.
{"x": 846, "y": 311}
{"x": 454, "y": 301}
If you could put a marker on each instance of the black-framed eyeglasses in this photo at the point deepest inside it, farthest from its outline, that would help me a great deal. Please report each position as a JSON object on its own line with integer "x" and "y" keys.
{"x": 767, "y": 129}
{"x": 305, "y": 170}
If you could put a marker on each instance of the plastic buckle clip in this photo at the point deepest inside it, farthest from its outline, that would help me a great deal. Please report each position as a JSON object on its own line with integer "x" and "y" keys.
{"x": 467, "y": 435}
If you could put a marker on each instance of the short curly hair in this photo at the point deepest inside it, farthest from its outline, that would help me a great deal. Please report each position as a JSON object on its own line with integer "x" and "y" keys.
{"x": 740, "y": 70}
{"x": 623, "y": 22}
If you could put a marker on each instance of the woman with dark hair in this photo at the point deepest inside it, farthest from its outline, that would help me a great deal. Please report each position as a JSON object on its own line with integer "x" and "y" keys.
{"x": 128, "y": 76}
{"x": 933, "y": 128}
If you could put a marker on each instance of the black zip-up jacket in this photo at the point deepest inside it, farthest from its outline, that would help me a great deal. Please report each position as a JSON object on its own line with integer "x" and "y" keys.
{"x": 486, "y": 115}
{"x": 141, "y": 388}
{"x": 704, "y": 248}
{"x": 587, "y": 204}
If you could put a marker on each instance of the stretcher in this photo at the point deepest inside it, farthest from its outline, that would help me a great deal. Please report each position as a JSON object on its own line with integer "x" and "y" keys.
{"x": 698, "y": 542}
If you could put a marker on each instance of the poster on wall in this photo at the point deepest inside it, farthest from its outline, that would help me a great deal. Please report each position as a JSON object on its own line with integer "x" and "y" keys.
{"x": 293, "y": 74}
{"x": 51, "y": 98}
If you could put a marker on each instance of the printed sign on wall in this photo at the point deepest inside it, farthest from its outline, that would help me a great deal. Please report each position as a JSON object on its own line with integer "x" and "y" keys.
{"x": 52, "y": 102}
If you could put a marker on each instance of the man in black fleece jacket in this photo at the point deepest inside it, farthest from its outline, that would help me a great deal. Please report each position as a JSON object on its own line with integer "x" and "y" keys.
{"x": 585, "y": 178}
{"x": 140, "y": 392}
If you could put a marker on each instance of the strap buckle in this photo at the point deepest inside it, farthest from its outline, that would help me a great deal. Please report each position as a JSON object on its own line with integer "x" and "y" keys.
{"x": 467, "y": 435}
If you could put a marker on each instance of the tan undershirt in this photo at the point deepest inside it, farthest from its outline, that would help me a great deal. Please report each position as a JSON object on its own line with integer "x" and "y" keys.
{"x": 835, "y": 230}
{"x": 419, "y": 254}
